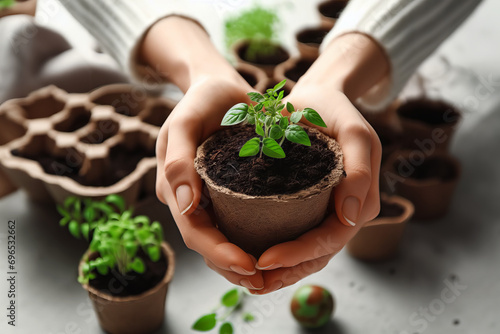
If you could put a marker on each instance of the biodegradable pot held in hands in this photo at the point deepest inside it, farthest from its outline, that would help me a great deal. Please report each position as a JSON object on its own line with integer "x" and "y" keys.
{"x": 427, "y": 124}
{"x": 427, "y": 181}
{"x": 261, "y": 195}
{"x": 380, "y": 238}
{"x": 24, "y": 7}
{"x": 142, "y": 313}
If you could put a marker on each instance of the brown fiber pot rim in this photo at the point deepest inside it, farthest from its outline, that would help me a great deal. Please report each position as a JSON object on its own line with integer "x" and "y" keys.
{"x": 408, "y": 210}
{"x": 329, "y": 181}
{"x": 169, "y": 254}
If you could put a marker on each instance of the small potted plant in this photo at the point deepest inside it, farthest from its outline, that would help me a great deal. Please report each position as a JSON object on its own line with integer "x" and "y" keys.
{"x": 127, "y": 267}
{"x": 14, "y": 7}
{"x": 253, "y": 37}
{"x": 380, "y": 238}
{"x": 261, "y": 195}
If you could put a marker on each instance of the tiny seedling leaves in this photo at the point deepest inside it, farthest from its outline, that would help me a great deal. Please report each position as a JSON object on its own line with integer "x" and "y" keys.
{"x": 259, "y": 130}
{"x": 256, "y": 97}
{"x": 290, "y": 107}
{"x": 226, "y": 328}
{"x": 231, "y": 298}
{"x": 251, "y": 119}
{"x": 296, "y": 117}
{"x": 296, "y": 134}
{"x": 235, "y": 115}
{"x": 250, "y": 148}
{"x": 312, "y": 116}
{"x": 272, "y": 149}
{"x": 276, "y": 132}
{"x": 284, "y": 123}
{"x": 279, "y": 85}
{"x": 205, "y": 323}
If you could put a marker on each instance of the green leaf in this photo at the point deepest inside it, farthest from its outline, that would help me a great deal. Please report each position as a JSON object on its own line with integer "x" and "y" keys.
{"x": 85, "y": 229}
{"x": 251, "y": 119}
{"x": 102, "y": 268}
{"x": 269, "y": 121}
{"x": 226, "y": 328}
{"x": 131, "y": 248}
{"x": 138, "y": 266}
{"x": 141, "y": 220}
{"x": 205, "y": 323}
{"x": 279, "y": 85}
{"x": 280, "y": 96}
{"x": 231, "y": 298}
{"x": 312, "y": 116}
{"x": 272, "y": 149}
{"x": 250, "y": 148}
{"x": 89, "y": 214}
{"x": 284, "y": 123}
{"x": 68, "y": 202}
{"x": 256, "y": 97}
{"x": 276, "y": 132}
{"x": 247, "y": 317}
{"x": 296, "y": 117}
{"x": 296, "y": 134}
{"x": 74, "y": 229}
{"x": 290, "y": 107}
{"x": 117, "y": 200}
{"x": 235, "y": 115}
{"x": 63, "y": 212}
{"x": 64, "y": 221}
{"x": 154, "y": 253}
{"x": 259, "y": 106}
{"x": 6, "y": 3}
{"x": 260, "y": 131}
{"x": 157, "y": 230}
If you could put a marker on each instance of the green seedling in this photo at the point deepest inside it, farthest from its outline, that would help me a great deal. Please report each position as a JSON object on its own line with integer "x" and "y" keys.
{"x": 258, "y": 26}
{"x": 6, "y": 3}
{"x": 271, "y": 126}
{"x": 230, "y": 302}
{"x": 114, "y": 233}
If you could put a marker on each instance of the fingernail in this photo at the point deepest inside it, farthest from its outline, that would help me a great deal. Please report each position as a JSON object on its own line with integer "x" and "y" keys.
{"x": 241, "y": 271}
{"x": 274, "y": 287}
{"x": 270, "y": 267}
{"x": 246, "y": 283}
{"x": 184, "y": 196}
{"x": 350, "y": 210}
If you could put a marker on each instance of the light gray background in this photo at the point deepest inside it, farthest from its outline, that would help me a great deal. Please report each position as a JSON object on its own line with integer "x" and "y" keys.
{"x": 371, "y": 298}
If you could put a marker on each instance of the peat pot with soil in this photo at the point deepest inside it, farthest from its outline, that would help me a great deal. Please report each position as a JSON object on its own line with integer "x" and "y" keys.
{"x": 270, "y": 178}
{"x": 128, "y": 266}
{"x": 253, "y": 38}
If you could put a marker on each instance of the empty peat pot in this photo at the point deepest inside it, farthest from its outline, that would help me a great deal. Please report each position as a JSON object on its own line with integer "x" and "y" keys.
{"x": 265, "y": 61}
{"x": 380, "y": 238}
{"x": 293, "y": 69}
{"x": 427, "y": 124}
{"x": 427, "y": 181}
{"x": 309, "y": 41}
{"x": 256, "y": 222}
{"x": 330, "y": 11}
{"x": 137, "y": 314}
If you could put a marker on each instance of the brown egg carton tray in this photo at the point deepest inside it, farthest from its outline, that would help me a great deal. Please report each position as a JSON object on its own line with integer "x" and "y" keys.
{"x": 54, "y": 144}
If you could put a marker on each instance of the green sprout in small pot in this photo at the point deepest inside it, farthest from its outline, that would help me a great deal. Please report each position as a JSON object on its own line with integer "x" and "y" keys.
{"x": 116, "y": 235}
{"x": 271, "y": 126}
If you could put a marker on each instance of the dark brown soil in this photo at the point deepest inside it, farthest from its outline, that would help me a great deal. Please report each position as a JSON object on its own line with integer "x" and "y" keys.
{"x": 434, "y": 168}
{"x": 123, "y": 162}
{"x": 104, "y": 130}
{"x": 333, "y": 8}
{"x": 390, "y": 210}
{"x": 132, "y": 283}
{"x": 275, "y": 57}
{"x": 78, "y": 118}
{"x": 300, "y": 68}
{"x": 249, "y": 77}
{"x": 429, "y": 112}
{"x": 312, "y": 36}
{"x": 303, "y": 166}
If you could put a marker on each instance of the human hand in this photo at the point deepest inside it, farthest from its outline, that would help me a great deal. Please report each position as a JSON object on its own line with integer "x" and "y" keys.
{"x": 211, "y": 87}
{"x": 356, "y": 200}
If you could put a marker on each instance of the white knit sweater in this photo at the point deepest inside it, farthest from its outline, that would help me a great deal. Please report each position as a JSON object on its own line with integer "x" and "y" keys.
{"x": 408, "y": 30}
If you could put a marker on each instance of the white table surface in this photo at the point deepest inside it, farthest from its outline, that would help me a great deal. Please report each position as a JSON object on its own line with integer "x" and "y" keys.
{"x": 371, "y": 298}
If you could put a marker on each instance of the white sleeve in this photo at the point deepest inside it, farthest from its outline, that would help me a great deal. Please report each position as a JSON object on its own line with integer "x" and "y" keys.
{"x": 408, "y": 30}
{"x": 120, "y": 26}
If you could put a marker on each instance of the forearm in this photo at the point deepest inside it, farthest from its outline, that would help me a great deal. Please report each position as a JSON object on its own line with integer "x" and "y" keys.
{"x": 352, "y": 63}
{"x": 182, "y": 52}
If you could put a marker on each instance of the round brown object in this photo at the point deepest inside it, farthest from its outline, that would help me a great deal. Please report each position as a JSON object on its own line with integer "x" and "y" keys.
{"x": 143, "y": 313}
{"x": 309, "y": 41}
{"x": 267, "y": 64}
{"x": 380, "y": 238}
{"x": 256, "y": 223}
